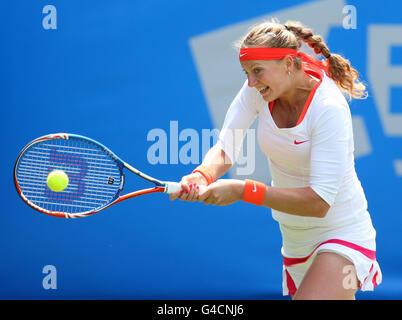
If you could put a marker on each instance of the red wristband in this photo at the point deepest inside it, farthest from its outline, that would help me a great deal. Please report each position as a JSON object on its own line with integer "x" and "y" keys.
{"x": 254, "y": 192}
{"x": 206, "y": 173}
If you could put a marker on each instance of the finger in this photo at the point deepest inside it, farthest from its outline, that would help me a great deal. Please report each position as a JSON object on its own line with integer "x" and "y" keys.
{"x": 176, "y": 195}
{"x": 208, "y": 200}
{"x": 192, "y": 194}
{"x": 197, "y": 192}
{"x": 185, "y": 193}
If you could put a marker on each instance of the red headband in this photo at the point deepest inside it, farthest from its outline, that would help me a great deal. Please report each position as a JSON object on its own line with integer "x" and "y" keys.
{"x": 263, "y": 53}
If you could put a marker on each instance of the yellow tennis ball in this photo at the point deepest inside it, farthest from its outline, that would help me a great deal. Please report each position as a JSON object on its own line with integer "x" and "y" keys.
{"x": 57, "y": 180}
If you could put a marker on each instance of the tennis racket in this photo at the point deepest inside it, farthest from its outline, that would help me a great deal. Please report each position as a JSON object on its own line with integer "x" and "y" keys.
{"x": 96, "y": 176}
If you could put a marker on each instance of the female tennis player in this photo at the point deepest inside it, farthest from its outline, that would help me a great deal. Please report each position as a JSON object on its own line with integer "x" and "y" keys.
{"x": 305, "y": 130}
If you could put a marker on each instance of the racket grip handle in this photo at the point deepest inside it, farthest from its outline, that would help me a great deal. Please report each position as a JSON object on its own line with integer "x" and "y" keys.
{"x": 172, "y": 187}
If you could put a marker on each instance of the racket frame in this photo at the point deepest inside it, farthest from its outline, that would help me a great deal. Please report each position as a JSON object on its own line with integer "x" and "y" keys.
{"x": 160, "y": 186}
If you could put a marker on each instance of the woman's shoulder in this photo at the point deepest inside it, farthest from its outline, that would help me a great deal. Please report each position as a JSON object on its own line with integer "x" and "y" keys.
{"x": 329, "y": 96}
{"x": 329, "y": 104}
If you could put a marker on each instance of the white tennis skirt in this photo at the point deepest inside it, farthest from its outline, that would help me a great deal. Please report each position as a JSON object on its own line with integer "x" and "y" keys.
{"x": 354, "y": 240}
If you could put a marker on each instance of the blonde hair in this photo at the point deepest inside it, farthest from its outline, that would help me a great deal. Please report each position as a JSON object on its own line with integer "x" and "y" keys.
{"x": 272, "y": 34}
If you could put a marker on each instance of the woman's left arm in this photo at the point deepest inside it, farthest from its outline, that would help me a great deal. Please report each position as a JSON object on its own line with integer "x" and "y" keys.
{"x": 297, "y": 201}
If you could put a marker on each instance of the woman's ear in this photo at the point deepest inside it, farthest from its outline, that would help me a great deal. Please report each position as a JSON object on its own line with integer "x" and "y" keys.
{"x": 289, "y": 64}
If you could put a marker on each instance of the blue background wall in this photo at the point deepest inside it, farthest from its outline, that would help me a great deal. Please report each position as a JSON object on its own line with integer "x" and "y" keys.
{"x": 113, "y": 71}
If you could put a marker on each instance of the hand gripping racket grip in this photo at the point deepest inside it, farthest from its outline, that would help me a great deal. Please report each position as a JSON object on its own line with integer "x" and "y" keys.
{"x": 172, "y": 187}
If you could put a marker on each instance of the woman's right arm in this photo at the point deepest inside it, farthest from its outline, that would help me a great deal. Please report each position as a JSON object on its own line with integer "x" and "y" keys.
{"x": 215, "y": 161}
{"x": 223, "y": 154}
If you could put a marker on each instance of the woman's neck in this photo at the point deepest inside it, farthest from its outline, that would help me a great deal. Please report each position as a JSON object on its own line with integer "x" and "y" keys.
{"x": 300, "y": 89}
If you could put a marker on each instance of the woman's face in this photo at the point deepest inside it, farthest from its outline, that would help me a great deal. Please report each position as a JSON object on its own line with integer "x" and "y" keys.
{"x": 269, "y": 77}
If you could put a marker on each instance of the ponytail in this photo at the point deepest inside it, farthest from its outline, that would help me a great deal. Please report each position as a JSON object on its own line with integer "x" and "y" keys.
{"x": 339, "y": 68}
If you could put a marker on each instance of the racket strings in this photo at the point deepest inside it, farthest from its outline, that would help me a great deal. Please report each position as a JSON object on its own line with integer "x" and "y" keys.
{"x": 94, "y": 176}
